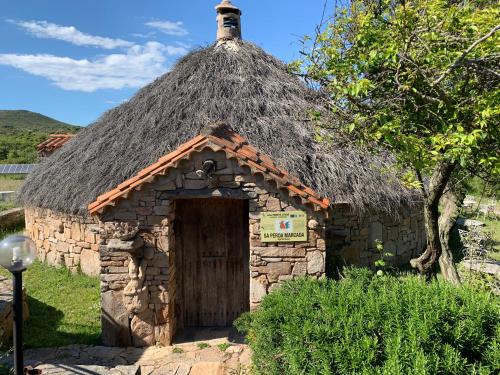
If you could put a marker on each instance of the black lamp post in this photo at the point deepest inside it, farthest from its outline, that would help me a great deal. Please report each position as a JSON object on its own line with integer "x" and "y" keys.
{"x": 16, "y": 254}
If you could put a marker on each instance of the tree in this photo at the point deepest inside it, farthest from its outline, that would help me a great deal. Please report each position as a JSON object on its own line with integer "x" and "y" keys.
{"x": 419, "y": 78}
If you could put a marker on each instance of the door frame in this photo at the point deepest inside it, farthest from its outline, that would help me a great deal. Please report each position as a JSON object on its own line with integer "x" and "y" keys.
{"x": 176, "y": 278}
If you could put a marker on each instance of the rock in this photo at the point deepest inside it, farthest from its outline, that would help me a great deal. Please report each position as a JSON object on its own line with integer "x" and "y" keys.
{"x": 207, "y": 368}
{"x": 280, "y": 252}
{"x": 128, "y": 370}
{"x": 90, "y": 262}
{"x": 149, "y": 253}
{"x": 142, "y": 329}
{"x": 315, "y": 262}
{"x": 489, "y": 267}
{"x": 467, "y": 223}
{"x": 195, "y": 184}
{"x": 257, "y": 289}
{"x": 115, "y": 329}
{"x": 275, "y": 270}
{"x": 312, "y": 224}
{"x": 273, "y": 204}
{"x": 121, "y": 245}
{"x": 299, "y": 269}
{"x": 135, "y": 300}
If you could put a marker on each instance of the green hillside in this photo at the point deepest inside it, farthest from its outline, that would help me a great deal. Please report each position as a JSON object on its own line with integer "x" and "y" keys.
{"x": 21, "y": 131}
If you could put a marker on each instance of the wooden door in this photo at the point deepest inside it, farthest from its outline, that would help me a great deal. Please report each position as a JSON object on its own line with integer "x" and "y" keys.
{"x": 212, "y": 258}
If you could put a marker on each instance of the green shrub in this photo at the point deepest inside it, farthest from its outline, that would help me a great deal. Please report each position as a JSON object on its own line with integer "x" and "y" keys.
{"x": 374, "y": 325}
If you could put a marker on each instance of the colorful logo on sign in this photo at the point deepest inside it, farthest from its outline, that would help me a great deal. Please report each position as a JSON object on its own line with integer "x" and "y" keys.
{"x": 283, "y": 226}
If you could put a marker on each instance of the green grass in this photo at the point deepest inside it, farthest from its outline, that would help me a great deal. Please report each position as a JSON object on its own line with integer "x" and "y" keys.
{"x": 64, "y": 307}
{"x": 11, "y": 182}
{"x": 492, "y": 226}
{"x": 223, "y": 346}
{"x": 16, "y": 229}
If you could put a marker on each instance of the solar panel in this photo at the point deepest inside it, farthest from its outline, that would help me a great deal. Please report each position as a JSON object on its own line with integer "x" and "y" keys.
{"x": 16, "y": 168}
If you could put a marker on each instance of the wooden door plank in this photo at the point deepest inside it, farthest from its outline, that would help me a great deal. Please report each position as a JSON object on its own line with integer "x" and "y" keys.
{"x": 213, "y": 239}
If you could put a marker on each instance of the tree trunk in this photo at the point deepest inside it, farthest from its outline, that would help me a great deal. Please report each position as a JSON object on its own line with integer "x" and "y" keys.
{"x": 426, "y": 262}
{"x": 451, "y": 202}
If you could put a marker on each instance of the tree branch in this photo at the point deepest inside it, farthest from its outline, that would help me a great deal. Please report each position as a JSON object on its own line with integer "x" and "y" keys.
{"x": 466, "y": 52}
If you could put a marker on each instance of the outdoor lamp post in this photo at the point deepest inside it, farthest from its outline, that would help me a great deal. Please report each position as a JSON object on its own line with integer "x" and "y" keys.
{"x": 16, "y": 254}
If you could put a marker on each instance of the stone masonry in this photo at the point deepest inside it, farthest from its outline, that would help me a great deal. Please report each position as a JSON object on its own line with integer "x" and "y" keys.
{"x": 131, "y": 245}
{"x": 138, "y": 269}
{"x": 352, "y": 237}
{"x": 62, "y": 240}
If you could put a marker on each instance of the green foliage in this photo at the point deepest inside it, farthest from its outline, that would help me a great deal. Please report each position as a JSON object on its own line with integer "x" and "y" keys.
{"x": 381, "y": 263}
{"x": 223, "y": 346}
{"x": 10, "y": 229}
{"x": 202, "y": 345}
{"x": 21, "y": 131}
{"x": 374, "y": 325}
{"x": 417, "y": 77}
{"x": 64, "y": 307}
{"x": 177, "y": 350}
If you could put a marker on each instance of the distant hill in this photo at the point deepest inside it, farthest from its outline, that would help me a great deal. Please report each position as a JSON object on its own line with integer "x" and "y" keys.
{"x": 26, "y": 120}
{"x": 21, "y": 131}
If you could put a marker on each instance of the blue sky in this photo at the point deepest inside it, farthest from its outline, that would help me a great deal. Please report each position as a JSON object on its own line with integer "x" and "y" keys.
{"x": 73, "y": 60}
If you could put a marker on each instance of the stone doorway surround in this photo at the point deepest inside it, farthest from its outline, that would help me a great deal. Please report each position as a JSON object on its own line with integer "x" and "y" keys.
{"x": 140, "y": 300}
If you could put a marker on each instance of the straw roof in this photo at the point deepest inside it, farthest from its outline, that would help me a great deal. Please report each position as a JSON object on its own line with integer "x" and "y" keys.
{"x": 235, "y": 82}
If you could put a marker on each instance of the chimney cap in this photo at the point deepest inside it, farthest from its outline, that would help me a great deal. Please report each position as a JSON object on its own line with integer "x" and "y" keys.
{"x": 227, "y": 5}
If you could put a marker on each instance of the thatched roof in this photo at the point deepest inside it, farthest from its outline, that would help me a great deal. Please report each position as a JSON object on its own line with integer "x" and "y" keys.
{"x": 235, "y": 82}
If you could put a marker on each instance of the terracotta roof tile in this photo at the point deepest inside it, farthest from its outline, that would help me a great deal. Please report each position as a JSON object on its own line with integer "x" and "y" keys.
{"x": 234, "y": 145}
{"x": 54, "y": 142}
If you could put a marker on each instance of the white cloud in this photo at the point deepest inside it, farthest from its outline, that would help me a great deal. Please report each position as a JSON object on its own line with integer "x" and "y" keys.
{"x": 44, "y": 29}
{"x": 169, "y": 27}
{"x": 145, "y": 36}
{"x": 134, "y": 68}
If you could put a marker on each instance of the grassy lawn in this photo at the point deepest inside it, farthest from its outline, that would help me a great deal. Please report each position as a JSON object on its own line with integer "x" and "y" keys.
{"x": 64, "y": 307}
{"x": 11, "y": 182}
{"x": 493, "y": 226}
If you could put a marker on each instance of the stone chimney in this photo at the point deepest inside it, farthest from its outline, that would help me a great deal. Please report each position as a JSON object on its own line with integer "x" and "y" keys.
{"x": 228, "y": 21}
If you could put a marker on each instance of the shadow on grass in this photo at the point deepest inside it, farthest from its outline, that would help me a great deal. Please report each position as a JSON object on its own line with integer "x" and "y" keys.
{"x": 43, "y": 329}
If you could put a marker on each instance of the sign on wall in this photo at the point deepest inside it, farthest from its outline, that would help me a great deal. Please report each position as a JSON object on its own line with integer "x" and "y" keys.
{"x": 288, "y": 226}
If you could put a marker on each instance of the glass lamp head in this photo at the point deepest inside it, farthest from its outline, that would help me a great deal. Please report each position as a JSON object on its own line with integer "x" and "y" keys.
{"x": 17, "y": 253}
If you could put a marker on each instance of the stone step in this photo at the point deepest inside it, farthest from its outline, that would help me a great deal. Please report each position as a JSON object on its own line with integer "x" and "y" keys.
{"x": 62, "y": 369}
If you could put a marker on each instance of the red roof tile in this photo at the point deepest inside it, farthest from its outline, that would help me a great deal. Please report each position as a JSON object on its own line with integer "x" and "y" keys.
{"x": 233, "y": 145}
{"x": 54, "y": 142}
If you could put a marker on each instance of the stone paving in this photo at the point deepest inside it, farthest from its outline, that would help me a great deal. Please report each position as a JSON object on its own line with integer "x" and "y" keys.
{"x": 215, "y": 356}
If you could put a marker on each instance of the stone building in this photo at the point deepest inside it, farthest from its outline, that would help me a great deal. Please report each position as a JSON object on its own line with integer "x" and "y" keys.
{"x": 208, "y": 189}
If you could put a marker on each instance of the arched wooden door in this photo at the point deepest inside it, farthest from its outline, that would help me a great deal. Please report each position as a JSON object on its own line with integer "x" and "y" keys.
{"x": 212, "y": 256}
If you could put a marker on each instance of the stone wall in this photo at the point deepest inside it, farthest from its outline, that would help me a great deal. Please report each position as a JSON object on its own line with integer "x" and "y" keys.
{"x": 352, "y": 237}
{"x": 65, "y": 240}
{"x": 132, "y": 244}
{"x": 138, "y": 274}
{"x": 12, "y": 217}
